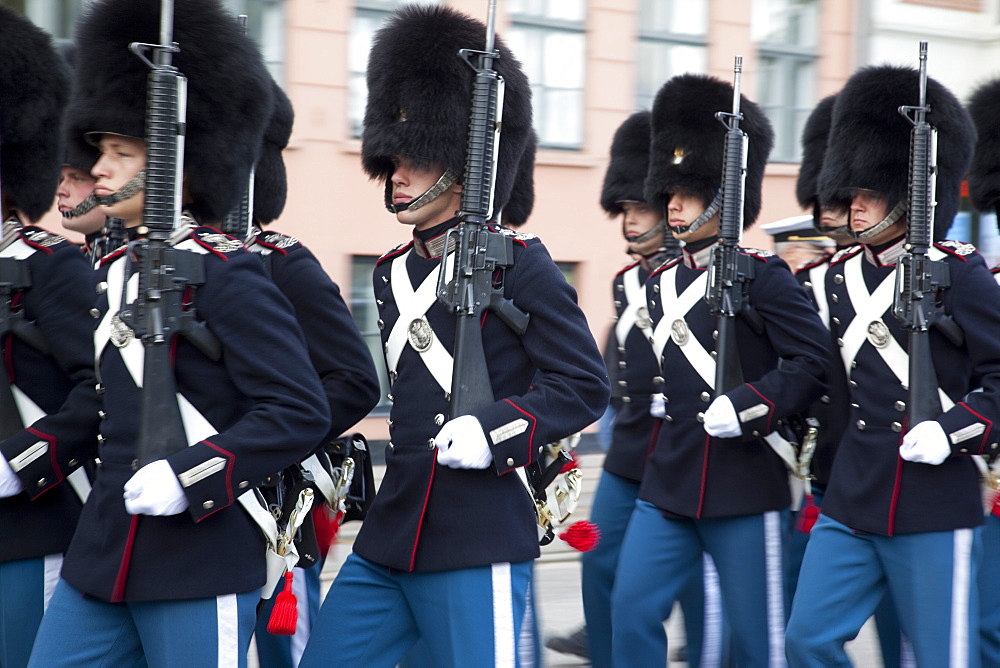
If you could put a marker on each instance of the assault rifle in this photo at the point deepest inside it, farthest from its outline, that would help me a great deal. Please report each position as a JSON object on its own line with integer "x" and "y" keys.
{"x": 14, "y": 278}
{"x": 730, "y": 271}
{"x": 478, "y": 252}
{"x": 165, "y": 273}
{"x": 239, "y": 222}
{"x": 920, "y": 280}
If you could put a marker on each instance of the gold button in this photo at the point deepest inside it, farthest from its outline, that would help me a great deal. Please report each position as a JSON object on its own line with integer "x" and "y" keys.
{"x": 95, "y": 313}
{"x": 244, "y": 485}
{"x": 208, "y": 505}
{"x": 510, "y": 461}
{"x": 439, "y": 419}
{"x": 102, "y": 287}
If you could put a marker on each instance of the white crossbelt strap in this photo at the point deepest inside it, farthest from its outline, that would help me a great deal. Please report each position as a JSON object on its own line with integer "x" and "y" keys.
{"x": 676, "y": 308}
{"x": 413, "y": 305}
{"x": 868, "y": 309}
{"x": 817, "y": 277}
{"x": 635, "y": 299}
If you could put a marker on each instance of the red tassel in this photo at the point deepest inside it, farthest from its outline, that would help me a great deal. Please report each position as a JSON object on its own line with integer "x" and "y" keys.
{"x": 285, "y": 614}
{"x": 582, "y": 536}
{"x": 809, "y": 515}
{"x": 574, "y": 464}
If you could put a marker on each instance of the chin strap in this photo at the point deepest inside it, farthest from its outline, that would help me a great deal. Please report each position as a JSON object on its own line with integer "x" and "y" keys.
{"x": 713, "y": 208}
{"x": 660, "y": 228}
{"x": 135, "y": 185}
{"x": 84, "y": 207}
{"x": 446, "y": 181}
{"x": 893, "y": 216}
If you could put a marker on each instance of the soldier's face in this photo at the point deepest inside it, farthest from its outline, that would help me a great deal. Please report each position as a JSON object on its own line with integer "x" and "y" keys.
{"x": 411, "y": 179}
{"x": 639, "y": 218}
{"x": 868, "y": 208}
{"x": 76, "y": 185}
{"x": 121, "y": 159}
{"x": 682, "y": 210}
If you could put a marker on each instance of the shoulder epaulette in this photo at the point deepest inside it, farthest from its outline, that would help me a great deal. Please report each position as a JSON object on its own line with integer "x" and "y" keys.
{"x": 215, "y": 241}
{"x": 277, "y": 241}
{"x": 41, "y": 239}
{"x": 759, "y": 253}
{"x": 394, "y": 252}
{"x": 959, "y": 249}
{"x": 815, "y": 263}
{"x": 626, "y": 268}
{"x": 663, "y": 267}
{"x": 845, "y": 253}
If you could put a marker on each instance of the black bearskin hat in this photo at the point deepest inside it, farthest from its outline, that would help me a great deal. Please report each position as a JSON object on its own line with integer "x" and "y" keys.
{"x": 629, "y": 163}
{"x": 522, "y": 195}
{"x": 814, "y": 138}
{"x": 270, "y": 182}
{"x": 33, "y": 88}
{"x": 75, "y": 155}
{"x": 869, "y": 144}
{"x": 688, "y": 142}
{"x": 229, "y": 91}
{"x": 984, "y": 175}
{"x": 420, "y": 95}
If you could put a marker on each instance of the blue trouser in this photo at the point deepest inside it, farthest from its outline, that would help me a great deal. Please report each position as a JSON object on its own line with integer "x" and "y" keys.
{"x": 25, "y": 587}
{"x": 845, "y": 574}
{"x": 889, "y": 635}
{"x": 989, "y": 594}
{"x": 276, "y": 651}
{"x": 659, "y": 557}
{"x": 612, "y": 507}
{"x": 372, "y": 616}
{"x": 79, "y": 631}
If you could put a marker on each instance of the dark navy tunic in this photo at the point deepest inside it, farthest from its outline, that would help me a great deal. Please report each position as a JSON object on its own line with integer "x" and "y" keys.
{"x": 40, "y": 520}
{"x": 264, "y": 400}
{"x": 871, "y": 487}
{"x": 549, "y": 383}
{"x": 689, "y": 473}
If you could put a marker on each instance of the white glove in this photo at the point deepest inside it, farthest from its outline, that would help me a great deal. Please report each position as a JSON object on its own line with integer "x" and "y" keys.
{"x": 155, "y": 490}
{"x": 10, "y": 484}
{"x": 721, "y": 420}
{"x": 926, "y": 443}
{"x": 462, "y": 444}
{"x": 658, "y": 405}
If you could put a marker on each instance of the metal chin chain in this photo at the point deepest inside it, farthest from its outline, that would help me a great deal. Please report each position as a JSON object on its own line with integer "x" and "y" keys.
{"x": 898, "y": 211}
{"x": 135, "y": 185}
{"x": 446, "y": 181}
{"x": 9, "y": 231}
{"x": 713, "y": 208}
{"x": 121, "y": 329}
{"x": 86, "y": 206}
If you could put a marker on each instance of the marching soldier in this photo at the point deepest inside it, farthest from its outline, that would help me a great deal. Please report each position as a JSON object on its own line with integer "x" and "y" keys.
{"x": 984, "y": 189}
{"x": 713, "y": 483}
{"x": 47, "y": 400}
{"x": 445, "y": 553}
{"x": 902, "y": 505}
{"x": 168, "y": 563}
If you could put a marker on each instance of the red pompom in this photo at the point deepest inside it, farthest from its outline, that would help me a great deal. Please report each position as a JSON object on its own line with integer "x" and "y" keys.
{"x": 285, "y": 614}
{"x": 808, "y": 516}
{"x": 582, "y": 536}
{"x": 574, "y": 464}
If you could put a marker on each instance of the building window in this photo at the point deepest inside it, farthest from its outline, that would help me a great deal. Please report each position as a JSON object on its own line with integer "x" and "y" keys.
{"x": 365, "y": 312}
{"x": 547, "y": 36}
{"x": 266, "y": 24}
{"x": 568, "y": 270}
{"x": 368, "y": 17}
{"x": 673, "y": 40}
{"x": 56, "y": 17}
{"x": 786, "y": 34}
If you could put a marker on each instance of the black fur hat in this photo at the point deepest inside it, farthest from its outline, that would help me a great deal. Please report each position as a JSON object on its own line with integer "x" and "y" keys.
{"x": 229, "y": 91}
{"x": 814, "y": 137}
{"x": 688, "y": 142}
{"x": 984, "y": 175}
{"x": 628, "y": 165}
{"x": 869, "y": 145}
{"x": 522, "y": 195}
{"x": 33, "y": 90}
{"x": 420, "y": 95}
{"x": 270, "y": 183}
{"x": 82, "y": 158}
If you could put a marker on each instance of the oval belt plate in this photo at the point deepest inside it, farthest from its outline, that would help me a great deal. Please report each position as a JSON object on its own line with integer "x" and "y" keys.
{"x": 121, "y": 334}
{"x": 420, "y": 334}
{"x": 642, "y": 319}
{"x": 679, "y": 332}
{"x": 878, "y": 334}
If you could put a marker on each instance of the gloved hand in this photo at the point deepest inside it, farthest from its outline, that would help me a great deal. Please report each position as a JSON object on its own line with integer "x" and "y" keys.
{"x": 462, "y": 444}
{"x": 155, "y": 490}
{"x": 926, "y": 443}
{"x": 721, "y": 420}
{"x": 658, "y": 405}
{"x": 10, "y": 484}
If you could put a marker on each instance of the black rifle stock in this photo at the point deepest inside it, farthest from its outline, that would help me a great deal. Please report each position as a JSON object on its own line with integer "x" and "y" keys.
{"x": 478, "y": 252}
{"x": 730, "y": 271}
{"x": 14, "y": 278}
{"x": 920, "y": 280}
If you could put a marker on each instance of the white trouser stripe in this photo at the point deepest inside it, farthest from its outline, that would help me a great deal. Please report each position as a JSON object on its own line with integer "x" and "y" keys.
{"x": 775, "y": 593}
{"x": 53, "y": 564}
{"x": 301, "y": 590}
{"x": 958, "y": 655}
{"x": 711, "y": 650}
{"x": 227, "y": 615}
{"x": 503, "y": 617}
